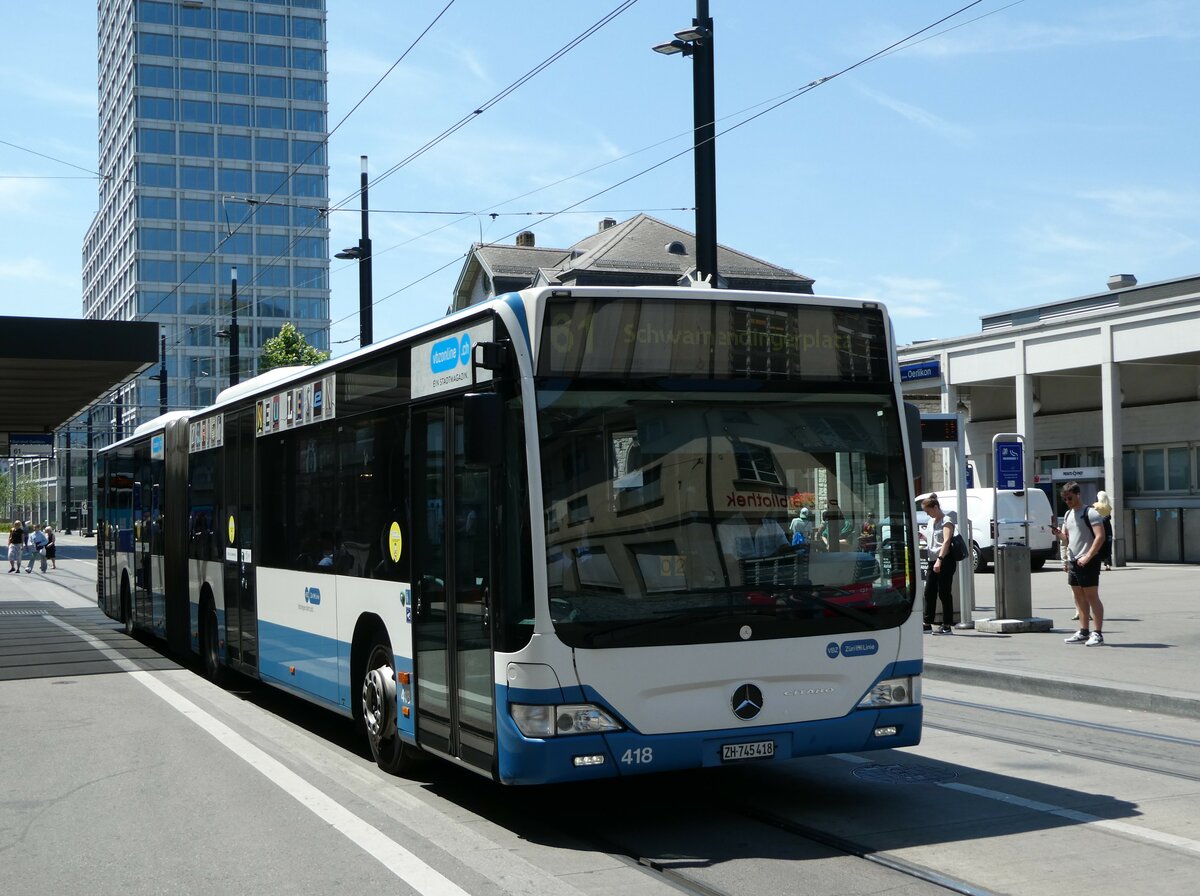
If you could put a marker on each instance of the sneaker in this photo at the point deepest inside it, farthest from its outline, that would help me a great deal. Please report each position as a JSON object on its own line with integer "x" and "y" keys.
{"x": 1076, "y": 616}
{"x": 1096, "y": 640}
{"x": 1078, "y": 638}
{"x": 947, "y": 630}
{"x": 926, "y": 627}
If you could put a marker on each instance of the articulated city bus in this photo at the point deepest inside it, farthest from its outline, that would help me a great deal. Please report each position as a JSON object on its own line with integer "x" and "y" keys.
{"x": 545, "y": 537}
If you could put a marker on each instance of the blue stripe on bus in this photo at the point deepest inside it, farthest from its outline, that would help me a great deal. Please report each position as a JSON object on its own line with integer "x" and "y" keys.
{"x": 315, "y": 659}
{"x": 523, "y": 760}
{"x": 513, "y": 300}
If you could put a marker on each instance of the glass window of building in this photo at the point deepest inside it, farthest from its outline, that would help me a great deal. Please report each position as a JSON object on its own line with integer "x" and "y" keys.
{"x": 196, "y": 303}
{"x": 156, "y": 107}
{"x": 271, "y": 117}
{"x": 233, "y": 51}
{"x": 195, "y": 16}
{"x": 156, "y": 269}
{"x": 272, "y": 214}
{"x": 156, "y": 207}
{"x": 197, "y": 273}
{"x": 196, "y": 177}
{"x": 156, "y": 76}
{"x": 1153, "y": 470}
{"x": 195, "y": 48}
{"x": 276, "y": 274}
{"x": 308, "y": 89}
{"x": 310, "y": 309}
{"x": 318, "y": 337}
{"x": 274, "y": 306}
{"x": 270, "y": 23}
{"x": 193, "y": 240}
{"x": 310, "y": 247}
{"x": 234, "y": 83}
{"x": 235, "y": 114}
{"x": 155, "y": 13}
{"x": 195, "y": 143}
{"x": 195, "y": 79}
{"x": 308, "y": 152}
{"x": 273, "y": 86}
{"x": 308, "y": 120}
{"x": 156, "y": 239}
{"x": 153, "y": 174}
{"x": 312, "y": 278}
{"x": 1179, "y": 469}
{"x": 196, "y": 111}
{"x": 307, "y": 216}
{"x": 306, "y": 28}
{"x": 150, "y": 44}
{"x": 309, "y": 60}
{"x": 232, "y": 146}
{"x": 270, "y": 182}
{"x": 270, "y": 54}
{"x": 156, "y": 140}
{"x": 272, "y": 244}
{"x": 308, "y": 185}
{"x": 238, "y": 244}
{"x": 196, "y": 210}
{"x": 150, "y": 301}
{"x": 233, "y": 20}
{"x": 271, "y": 149}
{"x": 234, "y": 180}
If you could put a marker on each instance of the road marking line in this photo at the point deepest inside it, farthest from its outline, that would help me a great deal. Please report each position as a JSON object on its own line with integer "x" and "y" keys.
{"x": 402, "y": 863}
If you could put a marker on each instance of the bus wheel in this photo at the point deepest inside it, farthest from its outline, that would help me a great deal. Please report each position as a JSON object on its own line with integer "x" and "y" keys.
{"x": 126, "y": 608}
{"x": 210, "y": 646}
{"x": 379, "y": 709}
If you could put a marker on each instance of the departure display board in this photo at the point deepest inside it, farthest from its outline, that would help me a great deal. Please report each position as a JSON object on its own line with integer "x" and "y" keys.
{"x": 624, "y": 338}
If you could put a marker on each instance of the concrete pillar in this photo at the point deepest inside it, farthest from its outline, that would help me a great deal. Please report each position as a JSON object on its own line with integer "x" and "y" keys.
{"x": 1025, "y": 411}
{"x": 1110, "y": 402}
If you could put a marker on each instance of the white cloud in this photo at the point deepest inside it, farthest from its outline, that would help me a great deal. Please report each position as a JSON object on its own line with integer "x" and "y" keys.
{"x": 918, "y": 116}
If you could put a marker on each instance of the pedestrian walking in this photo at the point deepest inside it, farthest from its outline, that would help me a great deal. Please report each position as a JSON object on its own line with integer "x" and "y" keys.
{"x": 37, "y": 548}
{"x": 1104, "y": 508}
{"x": 16, "y": 545}
{"x": 1083, "y": 532}
{"x": 939, "y": 575}
{"x": 51, "y": 546}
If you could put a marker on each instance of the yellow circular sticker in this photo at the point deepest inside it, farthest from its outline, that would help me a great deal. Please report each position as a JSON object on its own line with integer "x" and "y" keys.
{"x": 232, "y": 528}
{"x": 395, "y": 542}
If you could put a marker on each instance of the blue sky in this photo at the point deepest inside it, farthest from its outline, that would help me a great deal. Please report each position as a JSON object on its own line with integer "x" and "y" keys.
{"x": 1022, "y": 157}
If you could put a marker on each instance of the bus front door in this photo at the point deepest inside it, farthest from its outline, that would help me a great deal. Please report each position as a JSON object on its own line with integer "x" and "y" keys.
{"x": 452, "y": 573}
{"x": 241, "y": 605}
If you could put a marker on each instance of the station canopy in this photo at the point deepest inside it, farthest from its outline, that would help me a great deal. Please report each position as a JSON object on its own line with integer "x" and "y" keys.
{"x": 53, "y": 369}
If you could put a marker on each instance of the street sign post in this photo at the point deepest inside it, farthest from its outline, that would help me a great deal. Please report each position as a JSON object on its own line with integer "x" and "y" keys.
{"x": 1009, "y": 465}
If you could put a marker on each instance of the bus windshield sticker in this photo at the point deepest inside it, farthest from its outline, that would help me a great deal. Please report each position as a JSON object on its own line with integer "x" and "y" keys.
{"x": 444, "y": 362}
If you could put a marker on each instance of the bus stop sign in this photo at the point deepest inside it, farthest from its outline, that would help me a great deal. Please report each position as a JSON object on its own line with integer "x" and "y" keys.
{"x": 1009, "y": 465}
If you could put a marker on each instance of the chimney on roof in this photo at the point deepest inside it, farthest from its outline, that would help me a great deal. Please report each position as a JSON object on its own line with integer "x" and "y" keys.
{"x": 1120, "y": 281}
{"x": 606, "y": 223}
{"x": 525, "y": 239}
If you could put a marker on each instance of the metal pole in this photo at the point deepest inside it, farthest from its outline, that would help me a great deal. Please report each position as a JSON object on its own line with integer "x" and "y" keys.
{"x": 966, "y": 580}
{"x": 365, "y": 302}
{"x": 234, "y": 348}
{"x": 162, "y": 377}
{"x": 66, "y": 507}
{"x": 86, "y": 523}
{"x": 705, "y": 146}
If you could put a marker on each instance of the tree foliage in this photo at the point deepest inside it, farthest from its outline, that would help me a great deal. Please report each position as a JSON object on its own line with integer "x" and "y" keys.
{"x": 289, "y": 349}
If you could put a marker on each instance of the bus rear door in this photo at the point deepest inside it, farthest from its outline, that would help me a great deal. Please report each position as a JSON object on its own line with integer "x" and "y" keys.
{"x": 241, "y": 605}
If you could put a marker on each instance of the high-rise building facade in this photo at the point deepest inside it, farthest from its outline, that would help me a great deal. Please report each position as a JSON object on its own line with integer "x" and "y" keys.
{"x": 213, "y": 121}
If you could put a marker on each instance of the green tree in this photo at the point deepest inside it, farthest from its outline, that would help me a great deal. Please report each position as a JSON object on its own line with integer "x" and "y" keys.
{"x": 289, "y": 349}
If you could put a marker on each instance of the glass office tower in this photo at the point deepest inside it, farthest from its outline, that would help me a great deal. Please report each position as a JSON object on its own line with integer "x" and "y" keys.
{"x": 212, "y": 119}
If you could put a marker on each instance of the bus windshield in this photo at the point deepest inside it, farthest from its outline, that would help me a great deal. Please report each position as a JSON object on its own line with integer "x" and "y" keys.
{"x": 700, "y": 516}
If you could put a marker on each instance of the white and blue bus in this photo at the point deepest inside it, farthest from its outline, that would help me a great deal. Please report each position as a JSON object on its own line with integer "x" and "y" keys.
{"x": 548, "y": 537}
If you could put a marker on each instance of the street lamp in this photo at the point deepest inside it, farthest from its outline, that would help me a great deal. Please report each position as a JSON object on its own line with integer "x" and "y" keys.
{"x": 697, "y": 42}
{"x": 161, "y": 376}
{"x": 232, "y": 333}
{"x": 362, "y": 252}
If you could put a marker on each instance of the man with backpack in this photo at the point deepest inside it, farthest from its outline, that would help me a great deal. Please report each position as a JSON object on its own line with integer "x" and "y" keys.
{"x": 1083, "y": 532}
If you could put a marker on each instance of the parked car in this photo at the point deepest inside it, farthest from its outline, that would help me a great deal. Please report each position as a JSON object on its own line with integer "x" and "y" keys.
{"x": 1043, "y": 545}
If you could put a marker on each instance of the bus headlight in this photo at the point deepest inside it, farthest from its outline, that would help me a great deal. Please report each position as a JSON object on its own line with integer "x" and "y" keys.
{"x": 889, "y": 692}
{"x": 567, "y": 718}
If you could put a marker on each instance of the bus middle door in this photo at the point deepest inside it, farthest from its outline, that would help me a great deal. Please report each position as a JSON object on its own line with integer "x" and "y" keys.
{"x": 452, "y": 580}
{"x": 241, "y": 605}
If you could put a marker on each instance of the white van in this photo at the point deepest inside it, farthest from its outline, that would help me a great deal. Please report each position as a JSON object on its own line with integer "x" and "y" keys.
{"x": 1043, "y": 545}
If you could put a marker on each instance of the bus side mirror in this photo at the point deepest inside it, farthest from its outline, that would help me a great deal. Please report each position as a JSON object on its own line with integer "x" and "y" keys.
{"x": 483, "y": 445}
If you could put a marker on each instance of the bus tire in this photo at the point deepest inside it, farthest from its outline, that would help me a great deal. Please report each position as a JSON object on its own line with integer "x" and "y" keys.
{"x": 210, "y": 645}
{"x": 127, "y": 608}
{"x": 378, "y": 707}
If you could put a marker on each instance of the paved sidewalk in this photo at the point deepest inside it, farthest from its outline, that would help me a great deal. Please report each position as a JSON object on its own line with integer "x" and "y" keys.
{"x": 1150, "y": 660}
